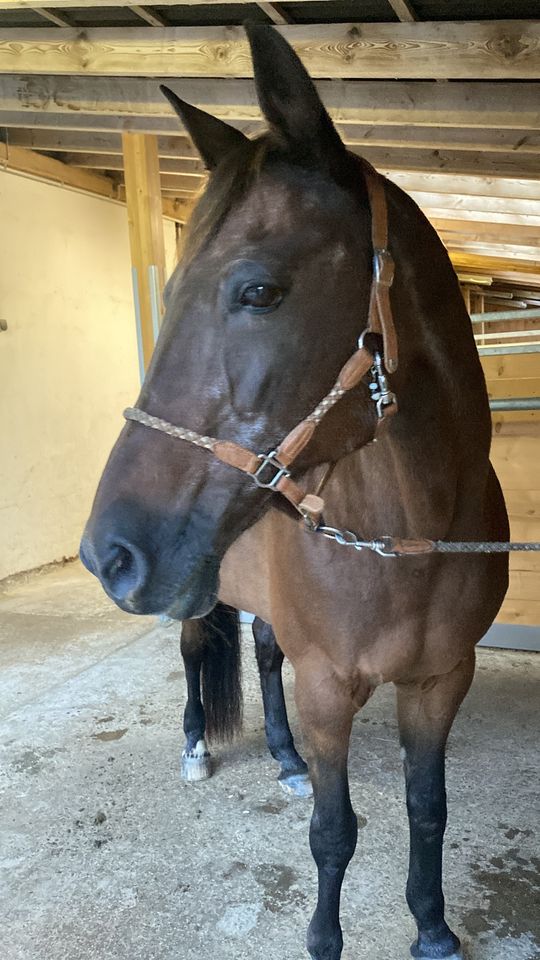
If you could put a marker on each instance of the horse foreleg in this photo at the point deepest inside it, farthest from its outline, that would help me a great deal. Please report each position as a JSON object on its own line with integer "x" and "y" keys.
{"x": 196, "y": 760}
{"x": 426, "y": 711}
{"x": 293, "y": 776}
{"x": 326, "y": 713}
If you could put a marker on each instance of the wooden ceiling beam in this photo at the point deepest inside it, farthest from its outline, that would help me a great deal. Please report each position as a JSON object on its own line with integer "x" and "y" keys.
{"x": 35, "y": 165}
{"x": 475, "y": 104}
{"x": 45, "y": 168}
{"x": 492, "y": 49}
{"x": 425, "y": 138}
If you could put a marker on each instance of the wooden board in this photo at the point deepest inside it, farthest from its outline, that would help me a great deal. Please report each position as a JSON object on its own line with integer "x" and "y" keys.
{"x": 517, "y": 462}
{"x": 405, "y": 103}
{"x": 493, "y": 50}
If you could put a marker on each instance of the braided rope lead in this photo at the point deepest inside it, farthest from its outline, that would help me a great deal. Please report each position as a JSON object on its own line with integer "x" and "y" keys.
{"x": 460, "y": 546}
{"x": 180, "y": 433}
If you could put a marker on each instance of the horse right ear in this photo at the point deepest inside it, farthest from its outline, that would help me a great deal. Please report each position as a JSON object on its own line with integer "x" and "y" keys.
{"x": 212, "y": 137}
{"x": 289, "y": 100}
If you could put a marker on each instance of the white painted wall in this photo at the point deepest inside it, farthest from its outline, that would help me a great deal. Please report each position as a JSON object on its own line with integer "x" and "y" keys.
{"x": 68, "y": 361}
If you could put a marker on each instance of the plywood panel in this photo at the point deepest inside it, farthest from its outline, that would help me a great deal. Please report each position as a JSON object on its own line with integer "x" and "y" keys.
{"x": 517, "y": 462}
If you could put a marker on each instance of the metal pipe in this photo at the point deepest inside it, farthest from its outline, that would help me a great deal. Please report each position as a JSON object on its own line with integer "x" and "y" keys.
{"x": 516, "y": 403}
{"x": 501, "y": 315}
{"x": 523, "y": 347}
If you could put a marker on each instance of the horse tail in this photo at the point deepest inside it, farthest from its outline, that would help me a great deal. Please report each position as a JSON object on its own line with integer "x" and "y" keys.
{"x": 222, "y": 672}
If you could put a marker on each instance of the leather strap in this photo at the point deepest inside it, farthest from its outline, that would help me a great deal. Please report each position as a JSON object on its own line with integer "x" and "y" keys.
{"x": 380, "y": 309}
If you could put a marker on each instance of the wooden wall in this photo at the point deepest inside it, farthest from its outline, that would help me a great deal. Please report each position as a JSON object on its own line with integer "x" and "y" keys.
{"x": 516, "y": 457}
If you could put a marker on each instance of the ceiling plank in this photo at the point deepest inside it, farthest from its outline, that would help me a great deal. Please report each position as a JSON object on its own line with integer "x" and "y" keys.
{"x": 474, "y": 104}
{"x": 495, "y": 50}
{"x": 93, "y": 144}
{"x": 485, "y": 249}
{"x": 493, "y": 264}
{"x": 153, "y": 19}
{"x": 471, "y": 219}
{"x": 465, "y": 185}
{"x": 462, "y": 205}
{"x": 478, "y": 232}
{"x": 51, "y": 17}
{"x": 114, "y": 161}
{"x": 275, "y": 11}
{"x": 403, "y": 10}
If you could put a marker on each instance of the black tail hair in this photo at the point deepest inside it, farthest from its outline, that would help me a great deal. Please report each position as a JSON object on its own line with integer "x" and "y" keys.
{"x": 222, "y": 672}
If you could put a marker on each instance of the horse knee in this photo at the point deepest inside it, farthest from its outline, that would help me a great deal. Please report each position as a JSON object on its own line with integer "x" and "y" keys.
{"x": 426, "y": 810}
{"x": 333, "y": 842}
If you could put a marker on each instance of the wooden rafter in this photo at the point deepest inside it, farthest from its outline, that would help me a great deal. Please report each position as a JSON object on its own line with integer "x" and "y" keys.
{"x": 423, "y": 138}
{"x": 29, "y": 163}
{"x": 275, "y": 11}
{"x": 388, "y": 103}
{"x": 506, "y": 49}
{"x": 403, "y": 10}
{"x": 51, "y": 17}
{"x": 153, "y": 19}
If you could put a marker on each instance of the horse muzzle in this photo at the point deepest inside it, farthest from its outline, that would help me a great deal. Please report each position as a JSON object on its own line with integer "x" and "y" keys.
{"x": 139, "y": 582}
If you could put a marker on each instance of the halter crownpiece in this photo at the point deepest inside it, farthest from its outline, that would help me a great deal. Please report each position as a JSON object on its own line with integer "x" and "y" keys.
{"x": 270, "y": 471}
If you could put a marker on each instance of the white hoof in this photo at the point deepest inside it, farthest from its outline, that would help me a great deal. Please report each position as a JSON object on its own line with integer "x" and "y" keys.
{"x": 297, "y": 785}
{"x": 196, "y": 763}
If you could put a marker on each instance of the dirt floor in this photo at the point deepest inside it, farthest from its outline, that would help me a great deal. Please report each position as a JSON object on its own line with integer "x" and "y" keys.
{"x": 106, "y": 853}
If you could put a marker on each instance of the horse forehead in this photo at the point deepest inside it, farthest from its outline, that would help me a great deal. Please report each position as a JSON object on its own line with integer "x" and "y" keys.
{"x": 274, "y": 206}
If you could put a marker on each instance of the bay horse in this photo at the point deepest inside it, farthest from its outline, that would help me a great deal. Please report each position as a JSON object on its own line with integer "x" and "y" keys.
{"x": 283, "y": 296}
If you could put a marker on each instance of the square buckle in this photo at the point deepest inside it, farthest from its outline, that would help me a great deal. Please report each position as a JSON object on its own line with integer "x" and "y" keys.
{"x": 269, "y": 461}
{"x": 383, "y": 267}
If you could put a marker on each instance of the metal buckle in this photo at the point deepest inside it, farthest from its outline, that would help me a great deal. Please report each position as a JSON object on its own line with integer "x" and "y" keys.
{"x": 384, "y": 547}
{"x": 383, "y": 267}
{"x": 270, "y": 460}
{"x": 380, "y": 391}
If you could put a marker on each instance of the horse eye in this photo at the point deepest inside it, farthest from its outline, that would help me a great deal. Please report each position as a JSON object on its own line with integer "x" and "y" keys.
{"x": 260, "y": 296}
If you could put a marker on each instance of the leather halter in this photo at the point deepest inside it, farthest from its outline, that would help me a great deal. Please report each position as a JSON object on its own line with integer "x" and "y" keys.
{"x": 271, "y": 471}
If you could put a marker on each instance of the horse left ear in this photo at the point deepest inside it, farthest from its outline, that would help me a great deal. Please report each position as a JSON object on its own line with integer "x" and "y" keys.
{"x": 289, "y": 99}
{"x": 212, "y": 137}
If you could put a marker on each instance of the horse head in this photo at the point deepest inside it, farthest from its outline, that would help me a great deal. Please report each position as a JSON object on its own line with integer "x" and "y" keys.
{"x": 262, "y": 311}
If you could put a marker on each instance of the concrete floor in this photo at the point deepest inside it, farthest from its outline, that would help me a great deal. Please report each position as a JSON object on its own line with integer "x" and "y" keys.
{"x": 107, "y": 854}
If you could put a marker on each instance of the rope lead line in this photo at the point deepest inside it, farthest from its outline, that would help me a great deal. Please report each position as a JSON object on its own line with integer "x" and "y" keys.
{"x": 398, "y": 547}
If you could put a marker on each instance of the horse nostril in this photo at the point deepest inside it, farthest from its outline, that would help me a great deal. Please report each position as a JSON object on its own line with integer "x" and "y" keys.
{"x": 125, "y": 570}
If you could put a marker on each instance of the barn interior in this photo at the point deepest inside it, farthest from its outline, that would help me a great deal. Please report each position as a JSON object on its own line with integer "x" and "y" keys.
{"x": 106, "y": 852}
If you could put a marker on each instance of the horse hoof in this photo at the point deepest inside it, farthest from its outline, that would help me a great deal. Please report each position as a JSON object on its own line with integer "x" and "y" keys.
{"x": 297, "y": 785}
{"x": 453, "y": 956}
{"x": 196, "y": 763}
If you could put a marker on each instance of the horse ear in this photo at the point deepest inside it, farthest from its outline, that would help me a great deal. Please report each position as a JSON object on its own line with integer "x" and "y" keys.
{"x": 212, "y": 137}
{"x": 289, "y": 100}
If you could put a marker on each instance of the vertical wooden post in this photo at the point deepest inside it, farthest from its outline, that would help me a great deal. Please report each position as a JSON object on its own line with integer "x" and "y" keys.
{"x": 143, "y": 197}
{"x": 466, "y": 291}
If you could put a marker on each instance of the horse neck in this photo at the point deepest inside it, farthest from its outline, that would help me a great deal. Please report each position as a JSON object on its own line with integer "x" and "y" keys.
{"x": 434, "y": 455}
